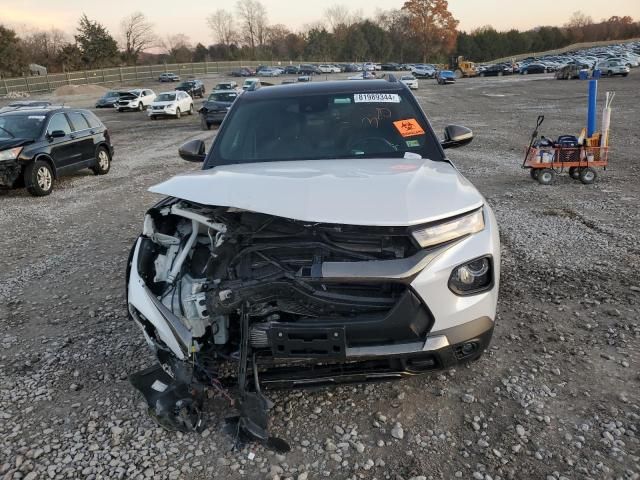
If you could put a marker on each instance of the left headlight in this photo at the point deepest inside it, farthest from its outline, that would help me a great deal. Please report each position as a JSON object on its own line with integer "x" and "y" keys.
{"x": 466, "y": 224}
{"x": 10, "y": 154}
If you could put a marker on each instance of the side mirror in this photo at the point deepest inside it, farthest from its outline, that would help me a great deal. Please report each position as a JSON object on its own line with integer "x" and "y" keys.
{"x": 456, "y": 136}
{"x": 193, "y": 151}
{"x": 57, "y": 134}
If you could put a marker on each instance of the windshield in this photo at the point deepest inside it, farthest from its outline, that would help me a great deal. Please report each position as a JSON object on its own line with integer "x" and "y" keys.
{"x": 326, "y": 126}
{"x": 111, "y": 94}
{"x": 21, "y": 126}
{"x": 223, "y": 86}
{"x": 186, "y": 85}
{"x": 227, "y": 97}
{"x": 166, "y": 97}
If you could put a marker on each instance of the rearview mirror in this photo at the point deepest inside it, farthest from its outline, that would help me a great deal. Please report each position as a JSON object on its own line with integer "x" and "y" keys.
{"x": 57, "y": 134}
{"x": 193, "y": 151}
{"x": 456, "y": 136}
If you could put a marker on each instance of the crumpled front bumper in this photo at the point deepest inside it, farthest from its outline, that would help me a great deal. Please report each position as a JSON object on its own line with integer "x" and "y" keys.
{"x": 10, "y": 171}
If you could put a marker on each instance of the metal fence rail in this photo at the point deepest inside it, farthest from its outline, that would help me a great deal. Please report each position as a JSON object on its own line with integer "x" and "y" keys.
{"x": 117, "y": 75}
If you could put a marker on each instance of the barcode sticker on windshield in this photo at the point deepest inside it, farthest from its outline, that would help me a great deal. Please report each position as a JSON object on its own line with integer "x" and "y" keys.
{"x": 376, "y": 98}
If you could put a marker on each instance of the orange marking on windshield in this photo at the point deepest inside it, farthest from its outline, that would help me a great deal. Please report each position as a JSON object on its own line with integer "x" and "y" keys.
{"x": 409, "y": 127}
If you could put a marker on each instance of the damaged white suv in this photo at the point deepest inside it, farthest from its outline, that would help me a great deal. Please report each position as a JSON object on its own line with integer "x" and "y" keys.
{"x": 327, "y": 239}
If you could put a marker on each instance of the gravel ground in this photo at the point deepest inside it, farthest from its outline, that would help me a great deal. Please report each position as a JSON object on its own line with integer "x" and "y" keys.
{"x": 555, "y": 397}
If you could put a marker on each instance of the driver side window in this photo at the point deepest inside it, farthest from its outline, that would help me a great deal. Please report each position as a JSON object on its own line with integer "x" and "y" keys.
{"x": 59, "y": 122}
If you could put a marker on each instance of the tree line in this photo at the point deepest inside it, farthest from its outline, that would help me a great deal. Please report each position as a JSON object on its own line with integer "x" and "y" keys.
{"x": 420, "y": 31}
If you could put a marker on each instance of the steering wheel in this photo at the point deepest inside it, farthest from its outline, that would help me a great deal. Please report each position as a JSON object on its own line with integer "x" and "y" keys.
{"x": 372, "y": 145}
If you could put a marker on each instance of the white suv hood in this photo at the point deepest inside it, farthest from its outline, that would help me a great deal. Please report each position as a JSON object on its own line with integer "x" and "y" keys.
{"x": 377, "y": 192}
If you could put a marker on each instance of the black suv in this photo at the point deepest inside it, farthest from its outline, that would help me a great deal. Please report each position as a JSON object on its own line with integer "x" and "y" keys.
{"x": 195, "y": 88}
{"x": 38, "y": 145}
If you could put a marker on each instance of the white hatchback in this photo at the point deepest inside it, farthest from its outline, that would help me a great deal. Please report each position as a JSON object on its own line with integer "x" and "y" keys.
{"x": 171, "y": 103}
{"x": 410, "y": 81}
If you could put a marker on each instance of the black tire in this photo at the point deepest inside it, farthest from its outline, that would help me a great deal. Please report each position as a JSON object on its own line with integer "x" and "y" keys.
{"x": 103, "y": 162}
{"x": 152, "y": 117}
{"x": 574, "y": 172}
{"x": 534, "y": 173}
{"x": 140, "y": 107}
{"x": 588, "y": 175}
{"x": 610, "y": 73}
{"x": 191, "y": 109}
{"x": 625, "y": 74}
{"x": 546, "y": 176}
{"x": 178, "y": 114}
{"x": 38, "y": 177}
{"x": 482, "y": 74}
{"x": 500, "y": 74}
{"x": 204, "y": 125}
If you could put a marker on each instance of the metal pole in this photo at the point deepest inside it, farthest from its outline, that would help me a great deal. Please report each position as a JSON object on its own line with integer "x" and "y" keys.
{"x": 591, "y": 107}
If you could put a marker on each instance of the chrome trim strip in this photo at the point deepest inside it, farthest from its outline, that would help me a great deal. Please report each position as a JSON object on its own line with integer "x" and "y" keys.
{"x": 431, "y": 344}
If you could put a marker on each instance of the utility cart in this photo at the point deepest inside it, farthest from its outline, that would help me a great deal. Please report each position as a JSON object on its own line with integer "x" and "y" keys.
{"x": 579, "y": 157}
{"x": 579, "y": 162}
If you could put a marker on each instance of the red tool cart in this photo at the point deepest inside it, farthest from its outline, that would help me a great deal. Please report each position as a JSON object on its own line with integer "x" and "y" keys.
{"x": 545, "y": 159}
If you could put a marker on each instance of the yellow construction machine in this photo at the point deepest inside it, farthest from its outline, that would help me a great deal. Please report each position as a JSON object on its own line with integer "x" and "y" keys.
{"x": 462, "y": 67}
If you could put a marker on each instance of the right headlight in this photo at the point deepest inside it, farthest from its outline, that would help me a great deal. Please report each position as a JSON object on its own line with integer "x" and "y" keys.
{"x": 10, "y": 154}
{"x": 447, "y": 230}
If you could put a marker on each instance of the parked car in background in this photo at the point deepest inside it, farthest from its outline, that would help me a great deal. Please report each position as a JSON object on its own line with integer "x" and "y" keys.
{"x": 410, "y": 81}
{"x": 215, "y": 107}
{"x": 496, "y": 70}
{"x": 38, "y": 145}
{"x": 268, "y": 72}
{"x": 533, "y": 68}
{"x": 243, "y": 72}
{"x": 570, "y": 71}
{"x": 195, "y": 88}
{"x": 108, "y": 100}
{"x": 291, "y": 70}
{"x": 24, "y": 104}
{"x": 251, "y": 84}
{"x": 308, "y": 69}
{"x": 324, "y": 68}
{"x": 369, "y": 67}
{"x": 226, "y": 86}
{"x": 172, "y": 104}
{"x": 613, "y": 67}
{"x": 364, "y": 75}
{"x": 136, "y": 99}
{"x": 421, "y": 71}
{"x": 444, "y": 77}
{"x": 169, "y": 77}
{"x": 390, "y": 67}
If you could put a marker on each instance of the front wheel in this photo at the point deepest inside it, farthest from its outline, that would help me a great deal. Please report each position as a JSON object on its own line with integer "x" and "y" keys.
{"x": 103, "y": 162}
{"x": 178, "y": 114}
{"x": 588, "y": 175}
{"x": 204, "y": 125}
{"x": 574, "y": 172}
{"x": 38, "y": 177}
{"x": 140, "y": 107}
{"x": 534, "y": 173}
{"x": 500, "y": 74}
{"x": 546, "y": 176}
{"x": 191, "y": 109}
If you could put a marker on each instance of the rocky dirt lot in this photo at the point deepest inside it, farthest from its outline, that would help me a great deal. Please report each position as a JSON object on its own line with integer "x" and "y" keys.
{"x": 557, "y": 395}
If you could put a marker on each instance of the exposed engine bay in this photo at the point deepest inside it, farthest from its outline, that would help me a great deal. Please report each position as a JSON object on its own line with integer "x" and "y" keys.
{"x": 251, "y": 290}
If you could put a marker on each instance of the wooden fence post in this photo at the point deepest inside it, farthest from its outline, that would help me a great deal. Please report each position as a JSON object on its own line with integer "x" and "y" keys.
{"x": 120, "y": 74}
{"x": 68, "y": 78}
{"x": 103, "y": 80}
{"x": 26, "y": 82}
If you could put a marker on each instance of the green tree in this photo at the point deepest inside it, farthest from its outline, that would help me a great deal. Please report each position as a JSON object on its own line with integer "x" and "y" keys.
{"x": 70, "y": 58}
{"x": 12, "y": 56}
{"x": 98, "y": 47}
{"x": 319, "y": 45}
{"x": 200, "y": 54}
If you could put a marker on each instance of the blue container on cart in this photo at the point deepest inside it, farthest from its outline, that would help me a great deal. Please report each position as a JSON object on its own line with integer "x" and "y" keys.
{"x": 584, "y": 74}
{"x": 596, "y": 73}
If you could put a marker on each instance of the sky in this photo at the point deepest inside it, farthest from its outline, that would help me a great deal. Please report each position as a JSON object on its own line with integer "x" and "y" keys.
{"x": 170, "y": 17}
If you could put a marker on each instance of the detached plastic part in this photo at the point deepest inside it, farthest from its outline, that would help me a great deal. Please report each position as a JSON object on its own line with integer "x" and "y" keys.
{"x": 174, "y": 405}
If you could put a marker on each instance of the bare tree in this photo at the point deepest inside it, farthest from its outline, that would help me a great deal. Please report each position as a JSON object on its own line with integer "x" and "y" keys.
{"x": 43, "y": 47}
{"x": 222, "y": 26}
{"x": 137, "y": 34}
{"x": 340, "y": 17}
{"x": 579, "y": 20}
{"x": 254, "y": 25}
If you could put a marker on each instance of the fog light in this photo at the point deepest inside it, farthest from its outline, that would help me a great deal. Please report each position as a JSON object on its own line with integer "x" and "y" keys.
{"x": 472, "y": 277}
